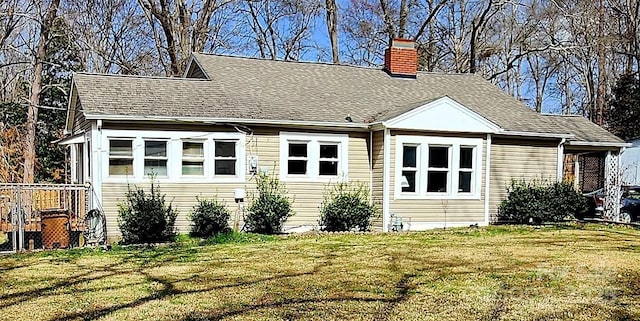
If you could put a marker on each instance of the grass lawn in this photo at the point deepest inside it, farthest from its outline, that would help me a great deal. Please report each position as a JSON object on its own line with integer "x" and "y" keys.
{"x": 498, "y": 273}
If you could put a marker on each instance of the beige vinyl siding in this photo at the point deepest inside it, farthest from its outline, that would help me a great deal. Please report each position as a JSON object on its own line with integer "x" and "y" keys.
{"x": 80, "y": 123}
{"x": 434, "y": 210}
{"x": 377, "y": 165}
{"x": 265, "y": 144}
{"x": 519, "y": 160}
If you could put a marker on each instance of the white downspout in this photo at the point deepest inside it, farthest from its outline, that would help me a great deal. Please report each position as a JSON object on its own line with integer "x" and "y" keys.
{"x": 96, "y": 158}
{"x": 487, "y": 180}
{"x": 386, "y": 181}
{"x": 370, "y": 167}
{"x": 560, "y": 166}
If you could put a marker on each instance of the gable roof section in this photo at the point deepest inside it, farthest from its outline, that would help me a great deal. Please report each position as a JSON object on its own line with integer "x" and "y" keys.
{"x": 112, "y": 95}
{"x": 443, "y": 114}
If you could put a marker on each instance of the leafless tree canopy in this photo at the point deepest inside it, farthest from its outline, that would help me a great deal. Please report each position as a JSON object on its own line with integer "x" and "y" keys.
{"x": 555, "y": 55}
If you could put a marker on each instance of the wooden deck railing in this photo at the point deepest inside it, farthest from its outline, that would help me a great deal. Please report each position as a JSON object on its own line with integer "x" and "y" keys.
{"x": 29, "y": 200}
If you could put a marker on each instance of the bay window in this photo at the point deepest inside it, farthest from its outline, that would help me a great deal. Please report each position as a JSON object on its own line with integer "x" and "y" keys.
{"x": 438, "y": 167}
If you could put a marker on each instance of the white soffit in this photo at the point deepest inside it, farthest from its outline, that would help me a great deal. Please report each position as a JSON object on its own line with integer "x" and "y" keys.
{"x": 443, "y": 114}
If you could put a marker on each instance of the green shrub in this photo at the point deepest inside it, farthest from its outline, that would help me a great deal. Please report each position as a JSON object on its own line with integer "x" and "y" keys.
{"x": 537, "y": 202}
{"x": 346, "y": 207}
{"x": 145, "y": 218}
{"x": 209, "y": 217}
{"x": 269, "y": 208}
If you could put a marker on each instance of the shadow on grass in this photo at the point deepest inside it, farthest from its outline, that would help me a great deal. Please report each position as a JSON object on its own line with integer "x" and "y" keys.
{"x": 169, "y": 289}
{"x": 404, "y": 270}
{"x": 146, "y": 258}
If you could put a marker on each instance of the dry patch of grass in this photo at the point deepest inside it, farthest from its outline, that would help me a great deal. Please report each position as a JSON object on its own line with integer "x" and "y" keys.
{"x": 497, "y": 273}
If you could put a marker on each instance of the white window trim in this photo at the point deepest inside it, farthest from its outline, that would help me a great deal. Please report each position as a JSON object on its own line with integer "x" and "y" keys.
{"x": 454, "y": 163}
{"x": 412, "y": 169}
{"x": 145, "y": 157}
{"x": 132, "y": 157}
{"x": 313, "y": 156}
{"x": 202, "y": 159}
{"x": 221, "y": 158}
{"x": 174, "y": 155}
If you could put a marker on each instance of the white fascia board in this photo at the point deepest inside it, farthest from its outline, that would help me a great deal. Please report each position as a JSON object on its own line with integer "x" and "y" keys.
{"x": 75, "y": 139}
{"x": 222, "y": 121}
{"x": 438, "y": 115}
{"x": 71, "y": 110}
{"x": 599, "y": 144}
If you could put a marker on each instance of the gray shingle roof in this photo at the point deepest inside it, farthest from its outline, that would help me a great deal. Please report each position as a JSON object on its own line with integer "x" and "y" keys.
{"x": 248, "y": 88}
{"x": 583, "y": 129}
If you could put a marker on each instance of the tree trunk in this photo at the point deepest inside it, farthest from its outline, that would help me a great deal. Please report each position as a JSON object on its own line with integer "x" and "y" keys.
{"x": 332, "y": 28}
{"x": 477, "y": 25}
{"x": 601, "y": 66}
{"x": 34, "y": 98}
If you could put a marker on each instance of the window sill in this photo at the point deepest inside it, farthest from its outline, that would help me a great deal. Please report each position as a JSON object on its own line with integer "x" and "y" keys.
{"x": 403, "y": 196}
{"x": 314, "y": 179}
{"x": 181, "y": 180}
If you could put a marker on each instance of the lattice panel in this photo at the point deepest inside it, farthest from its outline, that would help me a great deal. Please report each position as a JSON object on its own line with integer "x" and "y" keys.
{"x": 612, "y": 187}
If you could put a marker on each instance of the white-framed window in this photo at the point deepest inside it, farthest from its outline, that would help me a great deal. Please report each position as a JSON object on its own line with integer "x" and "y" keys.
{"x": 174, "y": 156}
{"x": 225, "y": 159}
{"x": 297, "y": 158}
{"x": 155, "y": 157}
{"x": 438, "y": 167}
{"x": 466, "y": 169}
{"x": 329, "y": 162}
{"x": 409, "y": 168}
{"x": 193, "y": 158}
{"x": 121, "y": 157}
{"x": 312, "y": 156}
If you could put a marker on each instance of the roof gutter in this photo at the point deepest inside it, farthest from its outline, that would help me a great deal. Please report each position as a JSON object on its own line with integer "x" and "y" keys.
{"x": 212, "y": 121}
{"x": 599, "y": 144}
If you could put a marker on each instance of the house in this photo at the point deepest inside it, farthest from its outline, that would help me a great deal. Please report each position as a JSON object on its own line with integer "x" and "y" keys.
{"x": 630, "y": 160}
{"x": 435, "y": 149}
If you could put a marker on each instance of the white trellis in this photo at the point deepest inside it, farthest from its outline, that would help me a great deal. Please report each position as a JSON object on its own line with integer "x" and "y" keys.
{"x": 612, "y": 186}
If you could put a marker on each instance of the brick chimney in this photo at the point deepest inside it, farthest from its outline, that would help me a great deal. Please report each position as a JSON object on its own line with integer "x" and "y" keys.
{"x": 401, "y": 58}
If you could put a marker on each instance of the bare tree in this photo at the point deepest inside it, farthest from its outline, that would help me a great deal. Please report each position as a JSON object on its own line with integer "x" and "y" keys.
{"x": 185, "y": 27}
{"x": 113, "y": 36}
{"x": 34, "y": 98}
{"x": 332, "y": 28}
{"x": 281, "y": 29}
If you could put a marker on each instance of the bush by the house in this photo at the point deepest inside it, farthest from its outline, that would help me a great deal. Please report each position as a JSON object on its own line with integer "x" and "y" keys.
{"x": 537, "y": 202}
{"x": 346, "y": 207}
{"x": 209, "y": 217}
{"x": 270, "y": 206}
{"x": 144, "y": 217}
